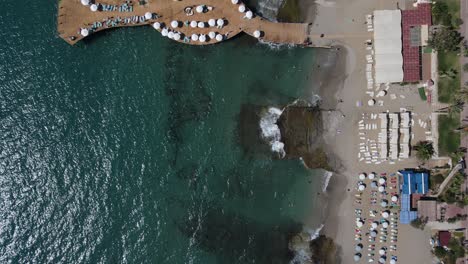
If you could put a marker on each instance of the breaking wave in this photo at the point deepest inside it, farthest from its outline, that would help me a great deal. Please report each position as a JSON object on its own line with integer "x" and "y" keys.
{"x": 326, "y": 179}
{"x": 302, "y": 253}
{"x": 270, "y": 130}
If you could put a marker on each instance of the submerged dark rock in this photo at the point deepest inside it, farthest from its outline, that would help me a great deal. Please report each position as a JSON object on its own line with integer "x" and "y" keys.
{"x": 324, "y": 250}
{"x": 234, "y": 238}
{"x": 301, "y": 128}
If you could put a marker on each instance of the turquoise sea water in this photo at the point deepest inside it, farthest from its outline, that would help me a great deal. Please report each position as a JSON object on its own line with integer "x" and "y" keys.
{"x": 126, "y": 148}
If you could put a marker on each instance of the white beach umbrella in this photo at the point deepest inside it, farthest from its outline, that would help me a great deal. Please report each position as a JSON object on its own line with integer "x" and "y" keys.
{"x": 202, "y": 38}
{"x": 193, "y": 24}
{"x": 392, "y": 261}
{"x": 199, "y": 9}
{"x": 373, "y": 233}
{"x": 85, "y": 2}
{"x": 157, "y": 25}
{"x": 201, "y": 24}
{"x": 220, "y": 22}
{"x": 249, "y": 14}
{"x": 381, "y": 181}
{"x": 164, "y": 32}
{"x": 394, "y": 198}
{"x": 234, "y": 2}
{"x": 382, "y": 93}
{"x": 381, "y": 260}
{"x": 373, "y": 184}
{"x": 212, "y": 22}
{"x": 170, "y": 35}
{"x": 362, "y": 176}
{"x": 357, "y": 257}
{"x": 194, "y": 37}
{"x": 385, "y": 224}
{"x": 371, "y": 102}
{"x": 257, "y": 33}
{"x": 358, "y": 248}
{"x": 148, "y": 15}
{"x": 174, "y": 24}
{"x": 383, "y": 204}
{"x": 176, "y": 36}
{"x": 361, "y": 187}
{"x": 371, "y": 176}
{"x": 84, "y": 32}
{"x": 374, "y": 225}
{"x": 219, "y": 37}
{"x": 93, "y": 7}
{"x": 385, "y": 214}
{"x": 242, "y": 8}
{"x": 212, "y": 35}
{"x": 381, "y": 252}
{"x": 381, "y": 189}
{"x": 359, "y": 223}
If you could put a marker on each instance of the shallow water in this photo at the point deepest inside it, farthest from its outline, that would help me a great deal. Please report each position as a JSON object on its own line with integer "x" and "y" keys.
{"x": 125, "y": 147}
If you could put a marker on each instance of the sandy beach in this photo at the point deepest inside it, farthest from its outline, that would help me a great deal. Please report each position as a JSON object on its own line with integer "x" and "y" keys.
{"x": 343, "y": 21}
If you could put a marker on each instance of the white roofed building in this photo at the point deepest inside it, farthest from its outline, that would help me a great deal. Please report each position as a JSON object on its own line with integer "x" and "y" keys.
{"x": 388, "y": 46}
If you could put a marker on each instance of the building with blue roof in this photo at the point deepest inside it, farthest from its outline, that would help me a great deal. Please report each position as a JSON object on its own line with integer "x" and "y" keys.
{"x": 414, "y": 182}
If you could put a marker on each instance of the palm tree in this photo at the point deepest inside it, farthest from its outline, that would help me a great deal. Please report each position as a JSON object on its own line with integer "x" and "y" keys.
{"x": 461, "y": 94}
{"x": 424, "y": 150}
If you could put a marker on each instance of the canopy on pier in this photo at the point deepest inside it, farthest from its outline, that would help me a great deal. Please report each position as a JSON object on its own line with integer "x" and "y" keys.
{"x": 388, "y": 46}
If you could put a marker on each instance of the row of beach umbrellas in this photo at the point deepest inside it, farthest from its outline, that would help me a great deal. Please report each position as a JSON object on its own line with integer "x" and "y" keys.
{"x": 243, "y": 9}
{"x": 195, "y": 37}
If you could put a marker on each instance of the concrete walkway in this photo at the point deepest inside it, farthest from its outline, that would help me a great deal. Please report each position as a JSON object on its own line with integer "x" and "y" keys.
{"x": 448, "y": 179}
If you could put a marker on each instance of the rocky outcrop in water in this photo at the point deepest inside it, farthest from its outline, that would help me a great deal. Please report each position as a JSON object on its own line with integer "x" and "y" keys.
{"x": 301, "y": 128}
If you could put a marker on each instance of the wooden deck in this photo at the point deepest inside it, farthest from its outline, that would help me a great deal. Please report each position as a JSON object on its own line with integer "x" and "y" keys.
{"x": 73, "y": 16}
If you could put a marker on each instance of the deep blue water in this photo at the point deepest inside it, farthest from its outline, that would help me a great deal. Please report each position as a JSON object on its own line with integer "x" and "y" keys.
{"x": 128, "y": 148}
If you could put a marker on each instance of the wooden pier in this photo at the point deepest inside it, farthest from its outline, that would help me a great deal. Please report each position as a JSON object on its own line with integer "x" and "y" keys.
{"x": 73, "y": 16}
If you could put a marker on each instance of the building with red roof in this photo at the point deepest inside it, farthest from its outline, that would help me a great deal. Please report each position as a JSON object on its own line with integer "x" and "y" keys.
{"x": 415, "y": 25}
{"x": 444, "y": 238}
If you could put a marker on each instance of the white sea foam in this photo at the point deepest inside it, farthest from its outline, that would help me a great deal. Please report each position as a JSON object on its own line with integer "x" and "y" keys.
{"x": 326, "y": 179}
{"x": 315, "y": 233}
{"x": 302, "y": 253}
{"x": 270, "y": 130}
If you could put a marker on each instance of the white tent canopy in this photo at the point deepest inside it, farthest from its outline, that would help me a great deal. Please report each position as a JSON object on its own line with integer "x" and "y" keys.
{"x": 257, "y": 33}
{"x": 148, "y": 15}
{"x": 156, "y": 25}
{"x": 93, "y": 7}
{"x": 212, "y": 22}
{"x": 84, "y": 32}
{"x": 388, "y": 46}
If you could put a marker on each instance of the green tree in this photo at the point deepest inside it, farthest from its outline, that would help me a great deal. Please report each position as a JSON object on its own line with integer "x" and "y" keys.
{"x": 440, "y": 13}
{"x": 458, "y": 22}
{"x": 445, "y": 39}
{"x": 440, "y": 252}
{"x": 424, "y": 150}
{"x": 461, "y": 94}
